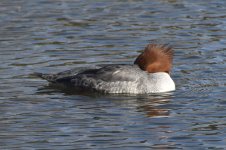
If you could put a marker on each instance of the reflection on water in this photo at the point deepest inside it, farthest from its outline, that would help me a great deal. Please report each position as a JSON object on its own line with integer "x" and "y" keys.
{"x": 153, "y": 110}
{"x": 150, "y": 104}
{"x": 52, "y": 36}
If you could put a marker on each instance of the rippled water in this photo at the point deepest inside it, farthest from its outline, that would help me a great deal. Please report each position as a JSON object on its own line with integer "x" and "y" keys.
{"x": 51, "y": 36}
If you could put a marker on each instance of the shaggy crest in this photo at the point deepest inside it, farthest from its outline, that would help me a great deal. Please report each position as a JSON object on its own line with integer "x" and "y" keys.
{"x": 155, "y": 58}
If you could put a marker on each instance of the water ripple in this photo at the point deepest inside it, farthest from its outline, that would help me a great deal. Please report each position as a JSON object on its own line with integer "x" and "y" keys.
{"x": 52, "y": 36}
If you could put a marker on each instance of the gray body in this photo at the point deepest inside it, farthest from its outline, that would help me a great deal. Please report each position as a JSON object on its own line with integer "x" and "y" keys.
{"x": 114, "y": 79}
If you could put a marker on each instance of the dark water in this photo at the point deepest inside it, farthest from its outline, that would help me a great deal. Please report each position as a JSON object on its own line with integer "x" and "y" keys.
{"x": 51, "y": 36}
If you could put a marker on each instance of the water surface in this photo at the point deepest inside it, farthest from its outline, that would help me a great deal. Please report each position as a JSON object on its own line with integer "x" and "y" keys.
{"x": 52, "y": 36}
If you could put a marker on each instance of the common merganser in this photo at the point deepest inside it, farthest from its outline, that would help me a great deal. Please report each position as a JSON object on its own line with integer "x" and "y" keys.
{"x": 150, "y": 73}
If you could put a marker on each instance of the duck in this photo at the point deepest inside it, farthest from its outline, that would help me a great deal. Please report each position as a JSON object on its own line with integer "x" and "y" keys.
{"x": 150, "y": 73}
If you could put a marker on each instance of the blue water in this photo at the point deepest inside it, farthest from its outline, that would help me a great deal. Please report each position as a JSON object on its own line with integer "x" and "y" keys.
{"x": 52, "y": 36}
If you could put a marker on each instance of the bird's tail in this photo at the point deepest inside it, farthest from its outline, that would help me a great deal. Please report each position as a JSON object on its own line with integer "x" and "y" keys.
{"x": 48, "y": 77}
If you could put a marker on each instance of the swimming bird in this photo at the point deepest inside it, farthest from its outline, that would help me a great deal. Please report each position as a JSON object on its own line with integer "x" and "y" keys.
{"x": 150, "y": 73}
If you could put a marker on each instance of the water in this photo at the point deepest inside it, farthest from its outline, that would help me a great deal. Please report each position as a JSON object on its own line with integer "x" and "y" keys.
{"x": 52, "y": 36}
